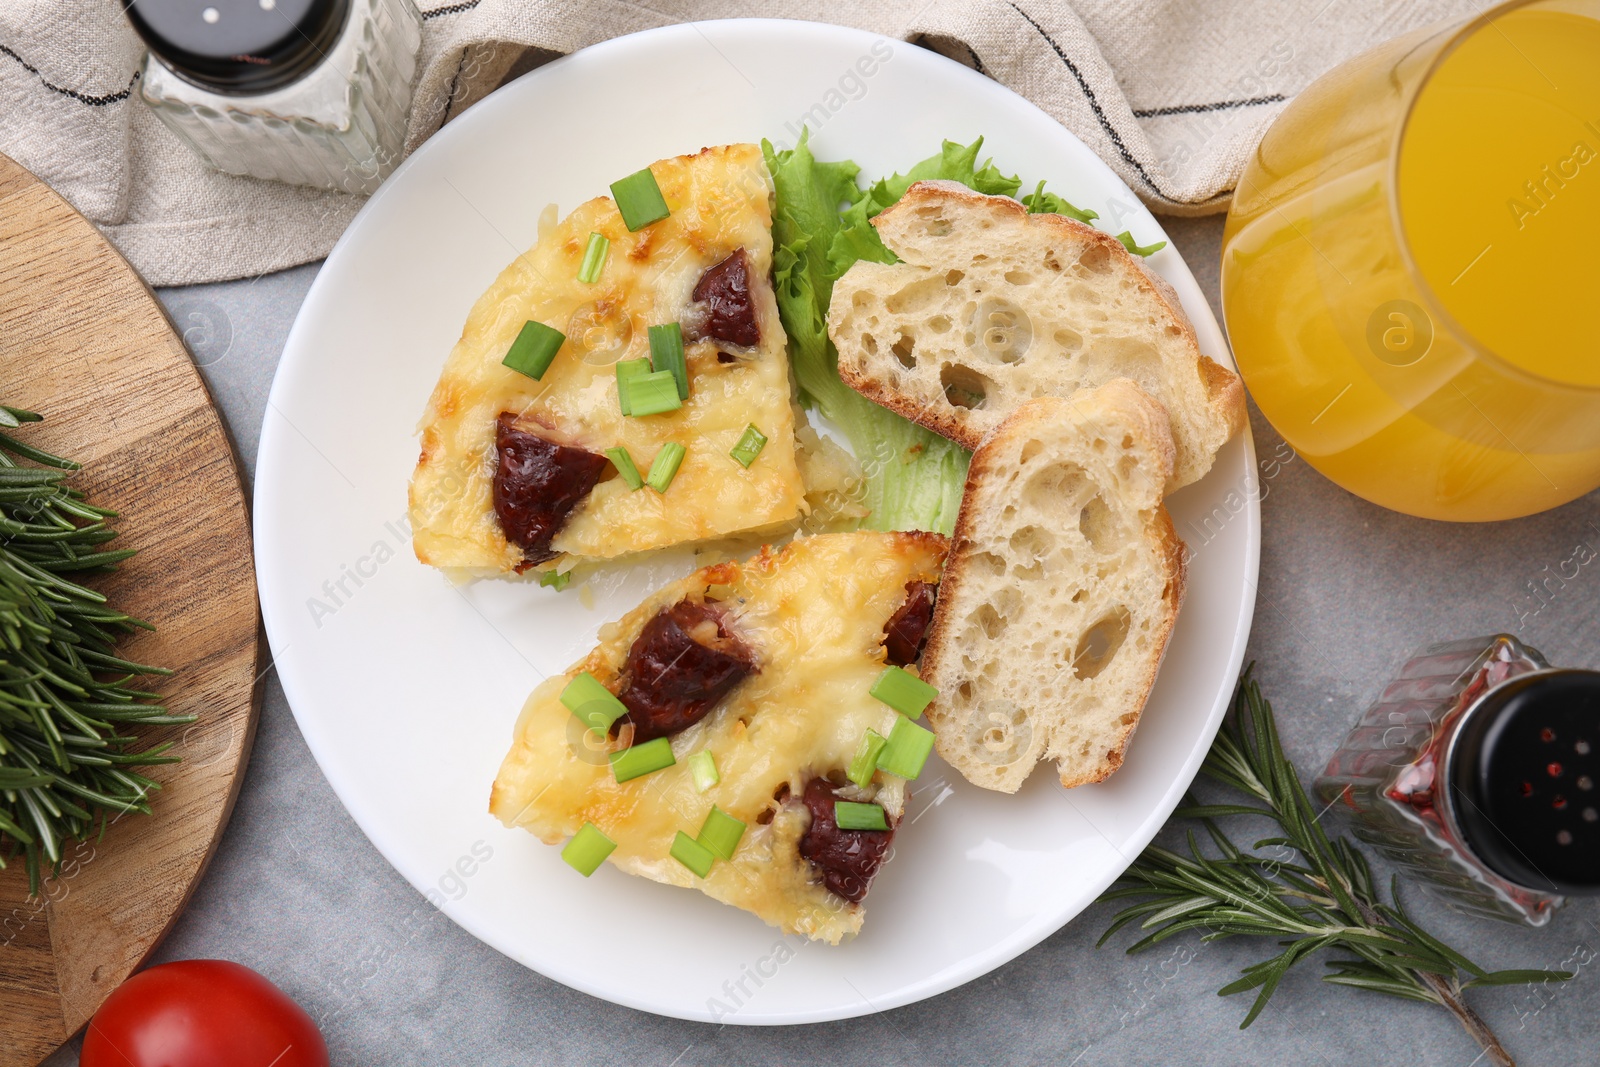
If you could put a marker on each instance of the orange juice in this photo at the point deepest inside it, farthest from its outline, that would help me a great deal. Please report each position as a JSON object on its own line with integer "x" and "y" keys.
{"x": 1411, "y": 269}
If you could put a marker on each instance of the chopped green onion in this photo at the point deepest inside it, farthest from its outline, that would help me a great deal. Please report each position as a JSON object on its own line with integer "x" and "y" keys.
{"x": 651, "y": 394}
{"x": 866, "y": 758}
{"x": 642, "y": 759}
{"x": 666, "y": 353}
{"x": 907, "y": 749}
{"x": 624, "y": 463}
{"x": 556, "y": 580}
{"x": 587, "y": 849}
{"x": 592, "y": 702}
{"x": 639, "y": 200}
{"x": 594, "y": 258}
{"x": 903, "y": 691}
{"x": 664, "y": 467}
{"x": 533, "y": 349}
{"x": 721, "y": 833}
{"x": 703, "y": 766}
{"x": 848, "y": 815}
{"x": 749, "y": 446}
{"x": 627, "y": 371}
{"x": 1126, "y": 237}
{"x": 692, "y": 854}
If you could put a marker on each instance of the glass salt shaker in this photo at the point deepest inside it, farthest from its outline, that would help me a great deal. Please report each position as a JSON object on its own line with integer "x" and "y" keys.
{"x": 1476, "y": 772}
{"x": 309, "y": 92}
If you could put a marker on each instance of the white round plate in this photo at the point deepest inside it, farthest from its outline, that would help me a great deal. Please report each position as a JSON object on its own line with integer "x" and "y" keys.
{"x": 406, "y": 687}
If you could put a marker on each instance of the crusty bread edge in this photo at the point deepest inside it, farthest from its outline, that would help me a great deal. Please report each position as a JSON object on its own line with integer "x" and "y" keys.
{"x": 1173, "y": 549}
{"x": 941, "y": 423}
{"x": 1224, "y": 389}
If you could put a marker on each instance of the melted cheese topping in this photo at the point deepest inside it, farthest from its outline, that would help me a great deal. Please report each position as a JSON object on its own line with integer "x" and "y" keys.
{"x": 720, "y": 202}
{"x": 813, "y": 614}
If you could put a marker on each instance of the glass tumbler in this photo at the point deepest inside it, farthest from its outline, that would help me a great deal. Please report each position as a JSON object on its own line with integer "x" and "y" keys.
{"x": 1409, "y": 270}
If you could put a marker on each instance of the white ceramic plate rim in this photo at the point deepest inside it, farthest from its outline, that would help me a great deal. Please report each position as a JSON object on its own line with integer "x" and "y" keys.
{"x": 273, "y": 493}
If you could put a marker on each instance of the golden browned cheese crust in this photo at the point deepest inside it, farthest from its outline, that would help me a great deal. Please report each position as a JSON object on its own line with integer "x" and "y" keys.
{"x": 813, "y": 614}
{"x": 720, "y": 202}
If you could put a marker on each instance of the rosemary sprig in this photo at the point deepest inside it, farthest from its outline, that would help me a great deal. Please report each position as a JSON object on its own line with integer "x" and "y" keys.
{"x": 66, "y": 762}
{"x": 1323, "y": 897}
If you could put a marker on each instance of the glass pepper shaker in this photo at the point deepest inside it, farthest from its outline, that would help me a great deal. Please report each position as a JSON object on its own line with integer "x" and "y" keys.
{"x": 309, "y": 92}
{"x": 1476, "y": 772}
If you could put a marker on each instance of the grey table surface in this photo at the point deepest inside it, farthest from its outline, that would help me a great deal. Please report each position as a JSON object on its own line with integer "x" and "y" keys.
{"x": 1346, "y": 591}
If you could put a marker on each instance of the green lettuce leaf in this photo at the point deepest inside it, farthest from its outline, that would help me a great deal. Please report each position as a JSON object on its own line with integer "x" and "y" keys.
{"x": 821, "y": 225}
{"x": 914, "y": 476}
{"x": 1126, "y": 237}
{"x": 1041, "y": 201}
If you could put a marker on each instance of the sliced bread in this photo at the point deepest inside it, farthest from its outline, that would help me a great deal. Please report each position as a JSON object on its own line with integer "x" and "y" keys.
{"x": 1062, "y": 585}
{"x": 992, "y": 306}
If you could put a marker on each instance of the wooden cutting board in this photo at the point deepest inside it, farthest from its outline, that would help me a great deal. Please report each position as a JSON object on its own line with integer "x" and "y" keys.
{"x": 84, "y": 343}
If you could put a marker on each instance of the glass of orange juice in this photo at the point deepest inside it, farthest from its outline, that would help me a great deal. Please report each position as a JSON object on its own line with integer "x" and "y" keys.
{"x": 1411, "y": 267}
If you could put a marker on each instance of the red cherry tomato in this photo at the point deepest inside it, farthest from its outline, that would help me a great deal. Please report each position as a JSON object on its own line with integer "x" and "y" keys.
{"x": 201, "y": 1013}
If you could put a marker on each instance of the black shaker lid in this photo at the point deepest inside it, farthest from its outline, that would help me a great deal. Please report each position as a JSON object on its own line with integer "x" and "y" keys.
{"x": 239, "y": 46}
{"x": 1525, "y": 781}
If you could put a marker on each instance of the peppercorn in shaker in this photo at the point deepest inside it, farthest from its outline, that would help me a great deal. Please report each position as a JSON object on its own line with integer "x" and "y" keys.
{"x": 1476, "y": 771}
{"x": 309, "y": 92}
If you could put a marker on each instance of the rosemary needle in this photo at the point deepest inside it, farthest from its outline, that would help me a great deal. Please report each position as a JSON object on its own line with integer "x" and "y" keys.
{"x": 66, "y": 760}
{"x": 1324, "y": 898}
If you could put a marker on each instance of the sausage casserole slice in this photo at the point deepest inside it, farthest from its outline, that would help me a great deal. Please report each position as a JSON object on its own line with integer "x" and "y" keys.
{"x": 763, "y": 669}
{"x": 516, "y": 468}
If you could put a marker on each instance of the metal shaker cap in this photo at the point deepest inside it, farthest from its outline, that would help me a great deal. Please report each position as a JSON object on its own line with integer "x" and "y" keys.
{"x": 239, "y": 46}
{"x": 1524, "y": 780}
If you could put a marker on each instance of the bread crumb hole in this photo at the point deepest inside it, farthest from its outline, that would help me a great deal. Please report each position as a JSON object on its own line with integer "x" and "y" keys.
{"x": 916, "y": 298}
{"x": 1033, "y": 542}
{"x": 1055, "y": 481}
{"x": 933, "y": 220}
{"x": 989, "y": 562}
{"x": 904, "y": 351}
{"x": 1071, "y": 340}
{"x": 963, "y": 386}
{"x": 1127, "y": 441}
{"x": 989, "y": 621}
{"x": 954, "y": 277}
{"x": 1097, "y": 525}
{"x": 1099, "y": 645}
{"x": 1030, "y": 450}
{"x": 999, "y": 733}
{"x": 1097, "y": 260}
{"x": 1002, "y": 330}
{"x": 1019, "y": 277}
{"x": 1051, "y": 262}
{"x": 940, "y": 324}
{"x": 870, "y": 343}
